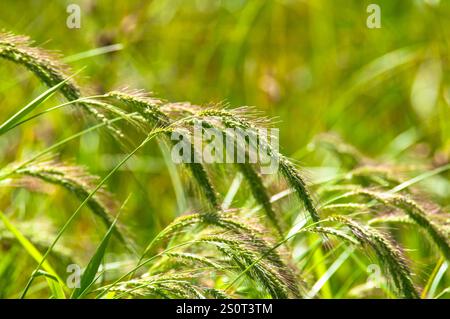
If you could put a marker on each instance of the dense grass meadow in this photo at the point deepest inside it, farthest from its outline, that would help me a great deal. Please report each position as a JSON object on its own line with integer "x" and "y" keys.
{"x": 92, "y": 204}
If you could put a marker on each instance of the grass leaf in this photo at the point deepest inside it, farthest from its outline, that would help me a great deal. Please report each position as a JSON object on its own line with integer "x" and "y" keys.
{"x": 55, "y": 283}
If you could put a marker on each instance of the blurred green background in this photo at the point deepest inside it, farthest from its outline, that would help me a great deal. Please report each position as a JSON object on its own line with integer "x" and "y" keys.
{"x": 312, "y": 66}
{"x": 307, "y": 63}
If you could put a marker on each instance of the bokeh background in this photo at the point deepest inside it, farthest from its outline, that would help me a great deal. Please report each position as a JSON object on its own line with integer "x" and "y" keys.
{"x": 312, "y": 66}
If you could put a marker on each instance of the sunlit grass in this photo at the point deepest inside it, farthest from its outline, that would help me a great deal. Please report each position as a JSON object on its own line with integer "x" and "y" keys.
{"x": 372, "y": 195}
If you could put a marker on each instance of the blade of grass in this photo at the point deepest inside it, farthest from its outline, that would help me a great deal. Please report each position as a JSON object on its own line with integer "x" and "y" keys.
{"x": 75, "y": 214}
{"x": 55, "y": 283}
{"x": 232, "y": 191}
{"x": 436, "y": 278}
{"x": 175, "y": 178}
{"x": 420, "y": 178}
{"x": 425, "y": 291}
{"x": 88, "y": 277}
{"x": 94, "y": 52}
{"x": 321, "y": 272}
{"x": 323, "y": 282}
{"x": 52, "y": 109}
{"x": 9, "y": 123}
{"x": 57, "y": 145}
{"x": 443, "y": 292}
{"x": 401, "y": 186}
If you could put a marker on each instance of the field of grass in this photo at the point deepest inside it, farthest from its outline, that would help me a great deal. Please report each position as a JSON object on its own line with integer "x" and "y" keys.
{"x": 92, "y": 204}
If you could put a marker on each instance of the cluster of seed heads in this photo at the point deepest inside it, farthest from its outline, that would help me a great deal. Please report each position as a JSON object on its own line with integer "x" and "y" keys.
{"x": 226, "y": 243}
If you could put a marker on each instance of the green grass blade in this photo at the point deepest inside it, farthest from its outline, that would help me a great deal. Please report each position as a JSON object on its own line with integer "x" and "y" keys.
{"x": 55, "y": 283}
{"x": 77, "y": 211}
{"x": 94, "y": 264}
{"x": 435, "y": 278}
{"x": 175, "y": 178}
{"x": 89, "y": 275}
{"x": 323, "y": 282}
{"x": 10, "y": 123}
{"x": 94, "y": 52}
